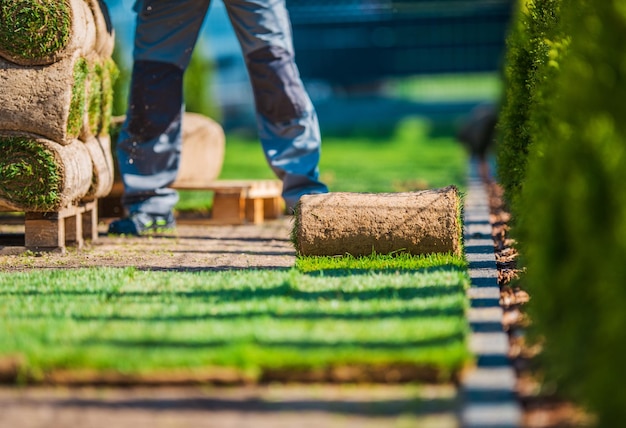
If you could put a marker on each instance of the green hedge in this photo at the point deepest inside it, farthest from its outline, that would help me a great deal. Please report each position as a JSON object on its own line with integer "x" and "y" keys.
{"x": 572, "y": 226}
{"x": 533, "y": 50}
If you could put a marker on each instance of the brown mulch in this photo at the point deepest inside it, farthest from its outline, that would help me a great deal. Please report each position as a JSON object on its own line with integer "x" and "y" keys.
{"x": 542, "y": 408}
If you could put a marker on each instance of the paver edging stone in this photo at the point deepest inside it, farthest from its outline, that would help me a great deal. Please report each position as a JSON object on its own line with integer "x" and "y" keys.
{"x": 488, "y": 391}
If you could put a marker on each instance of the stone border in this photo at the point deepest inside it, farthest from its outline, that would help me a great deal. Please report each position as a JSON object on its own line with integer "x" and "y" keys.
{"x": 488, "y": 390}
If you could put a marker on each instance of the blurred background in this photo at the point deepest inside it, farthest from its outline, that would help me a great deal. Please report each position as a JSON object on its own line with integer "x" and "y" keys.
{"x": 368, "y": 64}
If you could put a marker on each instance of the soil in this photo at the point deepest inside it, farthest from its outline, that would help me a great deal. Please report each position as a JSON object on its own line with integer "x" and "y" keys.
{"x": 267, "y": 406}
{"x": 195, "y": 246}
{"x": 542, "y": 408}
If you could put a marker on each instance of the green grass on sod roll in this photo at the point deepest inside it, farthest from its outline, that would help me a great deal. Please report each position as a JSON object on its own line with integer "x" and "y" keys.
{"x": 79, "y": 98}
{"x": 34, "y": 29}
{"x": 94, "y": 97}
{"x": 29, "y": 174}
{"x": 110, "y": 73}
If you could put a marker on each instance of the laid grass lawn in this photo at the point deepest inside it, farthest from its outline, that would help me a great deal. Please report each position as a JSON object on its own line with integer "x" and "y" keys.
{"x": 380, "y": 312}
{"x": 481, "y": 87}
{"x": 321, "y": 315}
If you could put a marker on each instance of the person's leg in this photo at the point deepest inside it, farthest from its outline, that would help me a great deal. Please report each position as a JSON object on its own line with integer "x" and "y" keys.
{"x": 286, "y": 119}
{"x": 149, "y": 144}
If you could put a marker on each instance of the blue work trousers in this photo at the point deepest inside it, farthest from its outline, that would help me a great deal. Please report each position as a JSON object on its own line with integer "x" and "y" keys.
{"x": 149, "y": 144}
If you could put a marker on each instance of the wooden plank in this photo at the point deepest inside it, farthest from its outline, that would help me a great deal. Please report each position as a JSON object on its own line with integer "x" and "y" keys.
{"x": 74, "y": 229}
{"x": 254, "y": 210}
{"x": 44, "y": 232}
{"x": 229, "y": 207}
{"x": 251, "y": 206}
{"x": 273, "y": 208}
{"x": 251, "y": 188}
{"x": 90, "y": 221}
{"x": 266, "y": 189}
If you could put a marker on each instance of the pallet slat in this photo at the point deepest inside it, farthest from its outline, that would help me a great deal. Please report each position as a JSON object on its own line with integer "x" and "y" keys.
{"x": 243, "y": 201}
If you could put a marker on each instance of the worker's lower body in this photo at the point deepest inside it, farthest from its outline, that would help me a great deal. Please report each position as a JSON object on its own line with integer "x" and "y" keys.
{"x": 150, "y": 141}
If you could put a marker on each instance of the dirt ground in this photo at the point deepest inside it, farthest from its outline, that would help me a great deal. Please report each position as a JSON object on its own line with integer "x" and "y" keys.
{"x": 194, "y": 247}
{"x": 206, "y": 247}
{"x": 542, "y": 409}
{"x": 270, "y": 406}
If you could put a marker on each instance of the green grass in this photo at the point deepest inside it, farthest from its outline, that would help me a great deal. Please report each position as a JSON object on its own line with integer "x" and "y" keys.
{"x": 410, "y": 159}
{"x": 139, "y": 321}
{"x": 451, "y": 87}
{"x": 94, "y": 97}
{"x": 378, "y": 262}
{"x": 110, "y": 74}
{"x": 79, "y": 98}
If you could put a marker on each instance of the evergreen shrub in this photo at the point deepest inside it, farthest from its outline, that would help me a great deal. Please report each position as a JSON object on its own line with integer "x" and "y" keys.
{"x": 573, "y": 222}
{"x": 532, "y": 58}
{"x": 121, "y": 84}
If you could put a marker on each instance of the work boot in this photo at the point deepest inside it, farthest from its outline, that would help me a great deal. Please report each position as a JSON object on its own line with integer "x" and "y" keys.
{"x": 141, "y": 224}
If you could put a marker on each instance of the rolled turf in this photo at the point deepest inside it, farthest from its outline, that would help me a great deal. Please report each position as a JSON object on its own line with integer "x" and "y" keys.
{"x": 39, "y": 32}
{"x": 361, "y": 224}
{"x": 47, "y": 101}
{"x": 39, "y": 175}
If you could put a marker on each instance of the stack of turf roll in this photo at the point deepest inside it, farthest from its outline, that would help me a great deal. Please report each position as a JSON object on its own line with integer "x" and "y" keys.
{"x": 56, "y": 79}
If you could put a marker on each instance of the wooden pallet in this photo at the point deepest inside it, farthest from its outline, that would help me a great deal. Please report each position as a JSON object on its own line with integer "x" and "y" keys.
{"x": 53, "y": 231}
{"x": 244, "y": 201}
{"x": 234, "y": 201}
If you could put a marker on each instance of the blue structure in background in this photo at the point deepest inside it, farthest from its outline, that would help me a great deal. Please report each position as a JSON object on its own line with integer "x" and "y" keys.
{"x": 354, "y": 41}
{"x": 345, "y": 44}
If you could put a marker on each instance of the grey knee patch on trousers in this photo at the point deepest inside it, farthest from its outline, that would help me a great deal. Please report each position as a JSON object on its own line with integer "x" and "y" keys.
{"x": 278, "y": 91}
